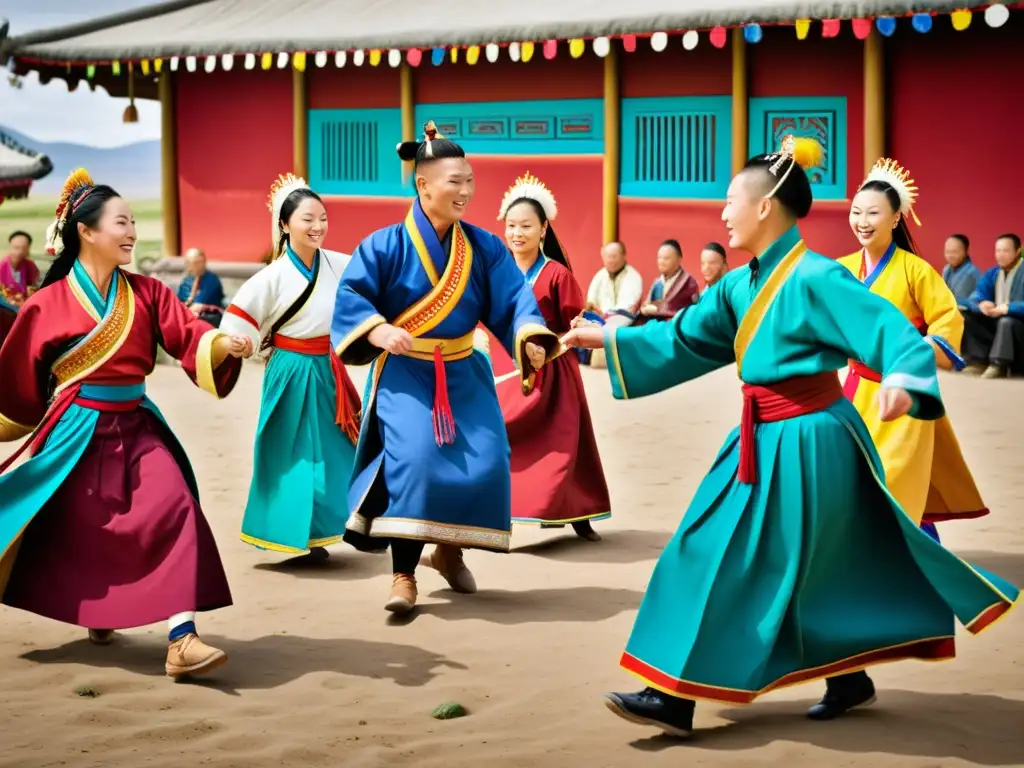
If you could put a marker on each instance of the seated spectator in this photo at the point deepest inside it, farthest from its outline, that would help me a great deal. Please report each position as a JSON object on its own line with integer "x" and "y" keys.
{"x": 201, "y": 291}
{"x": 673, "y": 291}
{"x": 713, "y": 264}
{"x": 617, "y": 288}
{"x": 993, "y": 340}
{"x": 19, "y": 275}
{"x": 960, "y": 274}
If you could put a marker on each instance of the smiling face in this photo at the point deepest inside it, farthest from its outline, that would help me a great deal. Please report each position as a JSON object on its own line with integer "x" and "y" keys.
{"x": 445, "y": 188}
{"x": 307, "y": 226}
{"x": 19, "y": 248}
{"x": 873, "y": 219}
{"x": 746, "y": 210}
{"x": 112, "y": 242}
{"x": 523, "y": 229}
{"x": 712, "y": 266}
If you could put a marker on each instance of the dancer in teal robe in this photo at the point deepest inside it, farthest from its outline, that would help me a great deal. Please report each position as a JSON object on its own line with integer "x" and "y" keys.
{"x": 793, "y": 561}
{"x": 433, "y": 459}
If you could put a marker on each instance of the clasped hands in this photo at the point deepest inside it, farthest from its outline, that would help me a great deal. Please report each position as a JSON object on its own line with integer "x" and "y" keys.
{"x": 991, "y": 309}
{"x": 398, "y": 341}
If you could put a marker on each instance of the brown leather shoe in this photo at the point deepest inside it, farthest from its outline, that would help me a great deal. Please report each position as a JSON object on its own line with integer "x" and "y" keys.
{"x": 403, "y": 594}
{"x": 189, "y": 655}
{"x": 447, "y": 560}
{"x": 101, "y": 636}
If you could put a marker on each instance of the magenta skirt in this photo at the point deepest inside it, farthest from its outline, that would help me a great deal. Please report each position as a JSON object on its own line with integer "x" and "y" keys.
{"x": 123, "y": 542}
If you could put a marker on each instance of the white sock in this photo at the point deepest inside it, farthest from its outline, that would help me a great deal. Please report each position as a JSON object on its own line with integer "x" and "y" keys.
{"x": 180, "y": 618}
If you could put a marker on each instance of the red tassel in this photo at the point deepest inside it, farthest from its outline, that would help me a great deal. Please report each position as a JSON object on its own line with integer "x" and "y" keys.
{"x": 444, "y": 422}
{"x": 748, "y": 456}
{"x": 344, "y": 413}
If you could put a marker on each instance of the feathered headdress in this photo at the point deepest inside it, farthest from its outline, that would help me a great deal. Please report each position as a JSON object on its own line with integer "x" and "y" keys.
{"x": 78, "y": 179}
{"x": 279, "y": 191}
{"x": 802, "y": 151}
{"x": 896, "y": 176}
{"x": 529, "y": 187}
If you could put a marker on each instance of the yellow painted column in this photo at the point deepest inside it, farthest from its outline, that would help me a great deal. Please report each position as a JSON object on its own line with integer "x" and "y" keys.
{"x": 874, "y": 100}
{"x": 407, "y": 100}
{"x": 169, "y": 202}
{"x": 740, "y": 96}
{"x": 612, "y": 146}
{"x": 300, "y": 123}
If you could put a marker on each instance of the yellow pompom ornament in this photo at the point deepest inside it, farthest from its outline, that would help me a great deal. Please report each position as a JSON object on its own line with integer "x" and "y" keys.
{"x": 807, "y": 153}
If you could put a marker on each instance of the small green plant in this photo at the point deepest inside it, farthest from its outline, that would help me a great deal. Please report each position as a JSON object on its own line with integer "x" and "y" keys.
{"x": 86, "y": 692}
{"x": 449, "y": 711}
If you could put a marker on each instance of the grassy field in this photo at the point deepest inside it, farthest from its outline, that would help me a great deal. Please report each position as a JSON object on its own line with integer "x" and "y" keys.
{"x": 35, "y": 214}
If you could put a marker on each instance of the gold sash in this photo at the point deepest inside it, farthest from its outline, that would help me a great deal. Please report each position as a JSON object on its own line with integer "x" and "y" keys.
{"x": 762, "y": 302}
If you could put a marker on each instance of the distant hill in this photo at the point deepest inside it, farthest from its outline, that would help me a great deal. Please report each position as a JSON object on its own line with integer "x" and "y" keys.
{"x": 133, "y": 170}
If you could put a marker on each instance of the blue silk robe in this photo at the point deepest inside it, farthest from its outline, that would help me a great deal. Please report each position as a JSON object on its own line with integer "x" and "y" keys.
{"x": 404, "y": 483}
{"x": 813, "y": 569}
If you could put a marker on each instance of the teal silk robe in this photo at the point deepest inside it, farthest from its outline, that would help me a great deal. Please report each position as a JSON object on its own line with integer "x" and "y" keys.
{"x": 814, "y": 569}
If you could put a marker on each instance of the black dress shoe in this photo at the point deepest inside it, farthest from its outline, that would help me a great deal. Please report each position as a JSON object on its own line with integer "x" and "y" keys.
{"x": 843, "y": 693}
{"x": 671, "y": 714}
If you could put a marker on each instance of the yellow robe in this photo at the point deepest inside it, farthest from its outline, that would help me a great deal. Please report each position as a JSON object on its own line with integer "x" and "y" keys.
{"x": 924, "y": 467}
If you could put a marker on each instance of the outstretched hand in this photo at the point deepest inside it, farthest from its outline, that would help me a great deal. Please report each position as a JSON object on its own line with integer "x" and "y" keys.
{"x": 893, "y": 402}
{"x": 585, "y": 336}
{"x": 535, "y": 354}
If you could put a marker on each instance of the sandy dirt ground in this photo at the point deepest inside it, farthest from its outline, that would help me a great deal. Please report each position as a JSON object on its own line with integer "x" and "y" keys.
{"x": 319, "y": 677}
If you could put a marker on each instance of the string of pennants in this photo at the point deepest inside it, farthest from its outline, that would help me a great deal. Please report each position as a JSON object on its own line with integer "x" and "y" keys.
{"x": 994, "y": 16}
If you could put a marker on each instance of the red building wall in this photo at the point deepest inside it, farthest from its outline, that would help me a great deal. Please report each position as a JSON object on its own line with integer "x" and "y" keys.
{"x": 234, "y": 132}
{"x": 956, "y": 110}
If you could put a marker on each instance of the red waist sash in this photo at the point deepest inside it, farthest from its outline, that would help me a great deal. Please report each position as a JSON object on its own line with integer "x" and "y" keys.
{"x": 347, "y": 402}
{"x": 782, "y": 400}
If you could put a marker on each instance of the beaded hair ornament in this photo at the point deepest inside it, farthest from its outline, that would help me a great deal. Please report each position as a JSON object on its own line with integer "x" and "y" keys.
{"x": 896, "y": 176}
{"x": 279, "y": 191}
{"x": 529, "y": 187}
{"x": 78, "y": 179}
{"x": 804, "y": 152}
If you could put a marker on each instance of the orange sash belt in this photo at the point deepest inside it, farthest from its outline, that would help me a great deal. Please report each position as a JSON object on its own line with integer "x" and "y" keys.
{"x": 783, "y": 400}
{"x": 347, "y": 402}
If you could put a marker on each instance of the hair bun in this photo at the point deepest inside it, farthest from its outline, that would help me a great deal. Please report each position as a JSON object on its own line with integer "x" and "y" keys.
{"x": 407, "y": 150}
{"x": 807, "y": 153}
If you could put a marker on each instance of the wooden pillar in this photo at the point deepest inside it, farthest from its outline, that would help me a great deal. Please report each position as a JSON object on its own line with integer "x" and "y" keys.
{"x": 740, "y": 114}
{"x": 874, "y": 100}
{"x": 169, "y": 203}
{"x": 612, "y": 146}
{"x": 300, "y": 123}
{"x": 408, "y": 103}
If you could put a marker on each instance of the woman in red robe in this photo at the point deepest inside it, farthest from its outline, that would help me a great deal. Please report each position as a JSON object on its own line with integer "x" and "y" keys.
{"x": 101, "y": 526}
{"x": 557, "y": 476}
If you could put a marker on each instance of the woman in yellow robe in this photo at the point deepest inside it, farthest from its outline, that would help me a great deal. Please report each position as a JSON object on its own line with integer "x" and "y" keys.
{"x": 924, "y": 468}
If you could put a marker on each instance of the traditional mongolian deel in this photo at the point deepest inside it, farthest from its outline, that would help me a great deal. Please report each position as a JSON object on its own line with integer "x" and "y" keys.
{"x": 101, "y": 526}
{"x": 557, "y": 477}
{"x": 793, "y": 561}
{"x": 433, "y": 457}
{"x": 924, "y": 467}
{"x": 309, "y": 413}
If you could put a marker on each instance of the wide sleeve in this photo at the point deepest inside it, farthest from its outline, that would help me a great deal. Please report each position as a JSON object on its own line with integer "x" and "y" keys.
{"x": 190, "y": 341}
{"x": 940, "y": 313}
{"x": 866, "y": 327}
{"x": 512, "y": 314}
{"x": 23, "y": 374}
{"x": 653, "y": 357}
{"x": 251, "y": 308}
{"x": 356, "y": 308}
{"x": 569, "y": 296}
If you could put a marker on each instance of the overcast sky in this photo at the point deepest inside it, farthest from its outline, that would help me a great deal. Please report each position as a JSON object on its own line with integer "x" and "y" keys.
{"x": 49, "y": 112}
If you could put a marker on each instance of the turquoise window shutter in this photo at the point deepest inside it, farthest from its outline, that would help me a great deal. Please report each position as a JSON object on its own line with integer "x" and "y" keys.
{"x": 352, "y": 152}
{"x": 676, "y": 147}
